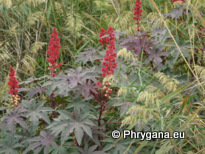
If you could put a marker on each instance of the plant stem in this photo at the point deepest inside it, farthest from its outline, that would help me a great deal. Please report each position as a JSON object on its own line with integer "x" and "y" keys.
{"x": 24, "y": 134}
{"x": 99, "y": 119}
{"x": 101, "y": 111}
{"x": 53, "y": 104}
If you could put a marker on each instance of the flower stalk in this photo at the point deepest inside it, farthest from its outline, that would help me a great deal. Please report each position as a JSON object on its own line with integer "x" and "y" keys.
{"x": 53, "y": 53}
{"x": 109, "y": 64}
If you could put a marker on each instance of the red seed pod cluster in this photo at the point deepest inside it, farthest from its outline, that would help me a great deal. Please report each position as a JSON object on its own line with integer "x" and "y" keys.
{"x": 106, "y": 90}
{"x": 111, "y": 34}
{"x": 99, "y": 83}
{"x": 109, "y": 61}
{"x": 13, "y": 83}
{"x": 53, "y": 51}
{"x": 104, "y": 40}
{"x": 138, "y": 13}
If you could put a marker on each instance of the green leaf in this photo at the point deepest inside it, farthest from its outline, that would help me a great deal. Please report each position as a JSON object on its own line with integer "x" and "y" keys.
{"x": 12, "y": 118}
{"x": 44, "y": 141}
{"x": 67, "y": 123}
{"x": 35, "y": 111}
{"x": 79, "y": 134}
{"x": 176, "y": 92}
{"x": 9, "y": 145}
{"x": 188, "y": 120}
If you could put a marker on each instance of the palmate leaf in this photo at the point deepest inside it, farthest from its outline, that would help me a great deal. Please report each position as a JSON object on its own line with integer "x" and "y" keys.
{"x": 89, "y": 150}
{"x": 59, "y": 150}
{"x": 66, "y": 124}
{"x": 118, "y": 147}
{"x": 68, "y": 82}
{"x": 35, "y": 111}
{"x": 90, "y": 54}
{"x": 9, "y": 145}
{"x": 36, "y": 90}
{"x": 42, "y": 142}
{"x": 79, "y": 106}
{"x": 85, "y": 88}
{"x": 96, "y": 131}
{"x": 12, "y": 118}
{"x": 87, "y": 73}
{"x": 32, "y": 91}
{"x": 31, "y": 80}
{"x": 155, "y": 55}
{"x": 137, "y": 44}
{"x": 69, "y": 148}
{"x": 160, "y": 34}
{"x": 62, "y": 83}
{"x": 184, "y": 46}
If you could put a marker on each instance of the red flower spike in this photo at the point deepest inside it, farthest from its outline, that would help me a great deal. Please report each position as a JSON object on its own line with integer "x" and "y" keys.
{"x": 138, "y": 13}
{"x": 53, "y": 51}
{"x": 13, "y": 83}
{"x": 109, "y": 60}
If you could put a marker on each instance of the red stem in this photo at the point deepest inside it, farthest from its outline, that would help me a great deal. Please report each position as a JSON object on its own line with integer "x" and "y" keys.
{"x": 24, "y": 134}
